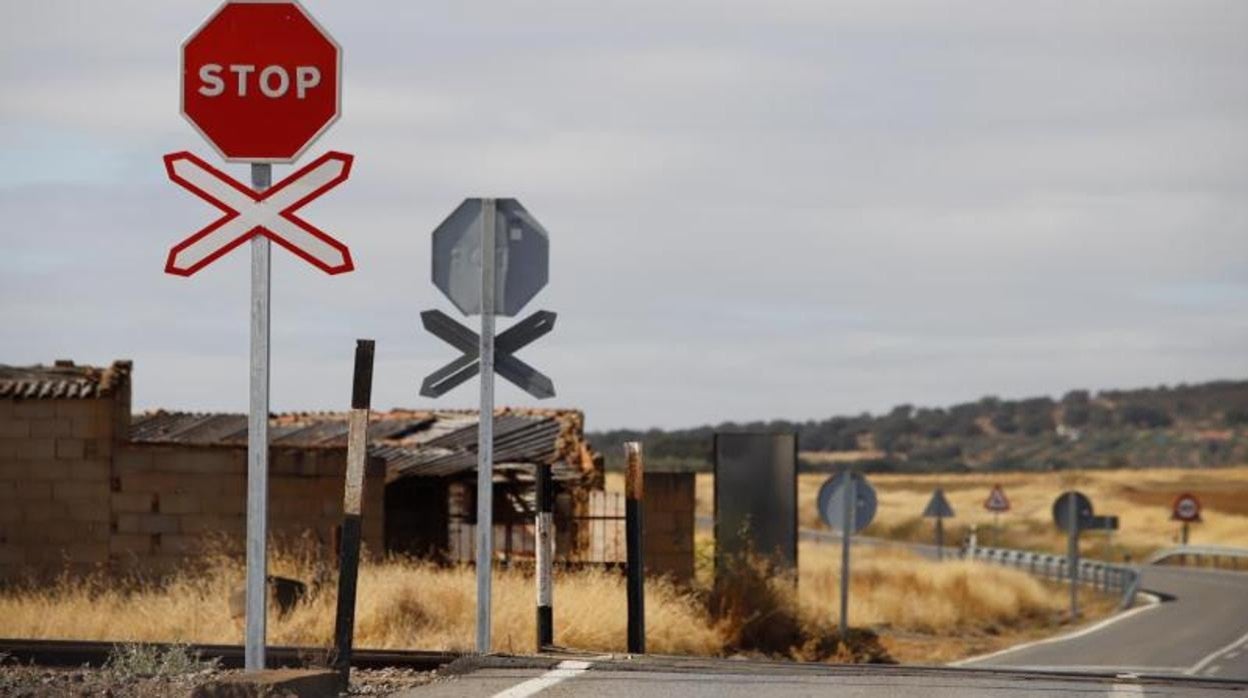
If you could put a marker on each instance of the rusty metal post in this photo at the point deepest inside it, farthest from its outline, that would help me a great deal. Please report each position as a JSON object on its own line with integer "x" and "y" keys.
{"x": 352, "y": 508}
{"x": 633, "y": 495}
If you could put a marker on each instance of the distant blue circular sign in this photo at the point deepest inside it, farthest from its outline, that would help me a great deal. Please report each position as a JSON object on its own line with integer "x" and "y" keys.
{"x": 831, "y": 502}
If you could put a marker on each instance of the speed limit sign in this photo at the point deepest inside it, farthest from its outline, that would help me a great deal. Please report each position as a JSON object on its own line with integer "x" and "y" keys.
{"x": 1186, "y": 508}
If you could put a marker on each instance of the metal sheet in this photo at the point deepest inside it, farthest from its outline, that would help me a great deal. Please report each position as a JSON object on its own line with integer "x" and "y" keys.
{"x": 756, "y": 495}
{"x": 1062, "y": 509}
{"x": 522, "y": 252}
{"x": 832, "y": 504}
{"x": 938, "y": 506}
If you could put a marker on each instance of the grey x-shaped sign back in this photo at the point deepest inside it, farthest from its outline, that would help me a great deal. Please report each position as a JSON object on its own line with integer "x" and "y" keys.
{"x": 506, "y": 344}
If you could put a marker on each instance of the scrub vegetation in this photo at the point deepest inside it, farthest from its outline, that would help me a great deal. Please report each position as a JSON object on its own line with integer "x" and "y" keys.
{"x": 902, "y": 606}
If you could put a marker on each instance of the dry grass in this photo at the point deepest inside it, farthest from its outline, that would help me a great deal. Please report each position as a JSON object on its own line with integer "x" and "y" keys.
{"x": 402, "y": 604}
{"x": 1141, "y": 498}
{"x": 407, "y": 603}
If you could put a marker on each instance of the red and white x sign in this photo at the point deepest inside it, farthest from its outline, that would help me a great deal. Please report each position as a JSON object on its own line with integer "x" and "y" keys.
{"x": 249, "y": 213}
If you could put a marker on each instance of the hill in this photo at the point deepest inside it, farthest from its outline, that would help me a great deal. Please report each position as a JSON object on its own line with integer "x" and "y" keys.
{"x": 1182, "y": 426}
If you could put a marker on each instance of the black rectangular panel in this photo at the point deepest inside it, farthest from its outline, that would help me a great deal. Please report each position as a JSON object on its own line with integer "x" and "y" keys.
{"x": 756, "y": 495}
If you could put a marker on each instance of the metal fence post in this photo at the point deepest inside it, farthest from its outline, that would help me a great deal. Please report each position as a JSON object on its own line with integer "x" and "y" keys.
{"x": 352, "y": 508}
{"x": 545, "y": 554}
{"x": 634, "y": 494}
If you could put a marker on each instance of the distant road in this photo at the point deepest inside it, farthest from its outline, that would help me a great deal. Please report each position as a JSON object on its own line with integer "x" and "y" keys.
{"x": 1199, "y": 629}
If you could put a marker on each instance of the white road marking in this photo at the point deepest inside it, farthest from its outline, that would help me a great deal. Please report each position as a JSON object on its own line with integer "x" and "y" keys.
{"x": 562, "y": 671}
{"x": 1152, "y": 602}
{"x": 1208, "y": 659}
{"x": 1122, "y": 690}
{"x": 1213, "y": 670}
{"x": 1118, "y": 670}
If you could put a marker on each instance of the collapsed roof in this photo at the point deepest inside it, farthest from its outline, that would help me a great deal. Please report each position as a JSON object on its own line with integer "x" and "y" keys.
{"x": 412, "y": 443}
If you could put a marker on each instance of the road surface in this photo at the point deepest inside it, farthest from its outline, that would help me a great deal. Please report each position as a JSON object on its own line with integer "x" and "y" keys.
{"x": 663, "y": 677}
{"x": 1200, "y": 628}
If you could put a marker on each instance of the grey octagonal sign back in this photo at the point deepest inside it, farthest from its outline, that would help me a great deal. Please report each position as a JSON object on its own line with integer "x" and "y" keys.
{"x": 522, "y": 256}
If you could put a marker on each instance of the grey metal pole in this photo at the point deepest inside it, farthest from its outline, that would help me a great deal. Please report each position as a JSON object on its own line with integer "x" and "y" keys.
{"x": 847, "y": 523}
{"x": 485, "y": 432}
{"x": 258, "y": 440}
{"x": 1072, "y": 554}
{"x": 545, "y": 557}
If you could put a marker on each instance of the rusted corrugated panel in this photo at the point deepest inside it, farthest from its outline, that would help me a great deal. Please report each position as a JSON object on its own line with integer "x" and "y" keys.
{"x": 63, "y": 381}
{"x": 412, "y": 444}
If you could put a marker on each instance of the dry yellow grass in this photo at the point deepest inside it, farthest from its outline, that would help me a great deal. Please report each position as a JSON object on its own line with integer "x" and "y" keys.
{"x": 1141, "y": 498}
{"x": 411, "y": 604}
{"x": 402, "y": 604}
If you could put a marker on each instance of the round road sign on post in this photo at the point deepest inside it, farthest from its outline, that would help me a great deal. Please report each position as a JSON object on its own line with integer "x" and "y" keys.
{"x": 1061, "y": 510}
{"x": 1186, "y": 508}
{"x": 261, "y": 80}
{"x": 521, "y": 253}
{"x": 831, "y": 504}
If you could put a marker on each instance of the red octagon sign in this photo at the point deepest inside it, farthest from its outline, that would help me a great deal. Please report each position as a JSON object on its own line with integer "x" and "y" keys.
{"x": 261, "y": 80}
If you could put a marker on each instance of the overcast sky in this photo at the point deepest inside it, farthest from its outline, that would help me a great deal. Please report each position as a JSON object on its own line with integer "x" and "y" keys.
{"x": 791, "y": 208}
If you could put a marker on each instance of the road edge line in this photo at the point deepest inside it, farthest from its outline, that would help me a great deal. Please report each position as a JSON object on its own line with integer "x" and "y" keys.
{"x": 1151, "y": 601}
{"x": 1208, "y": 658}
{"x": 563, "y": 670}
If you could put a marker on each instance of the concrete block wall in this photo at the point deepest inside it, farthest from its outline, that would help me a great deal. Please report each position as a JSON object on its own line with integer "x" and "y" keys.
{"x": 55, "y": 458}
{"x": 668, "y": 525}
{"x": 168, "y": 500}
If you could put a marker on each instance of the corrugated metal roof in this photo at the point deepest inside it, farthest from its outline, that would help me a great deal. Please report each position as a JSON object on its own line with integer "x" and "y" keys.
{"x": 412, "y": 443}
{"x": 62, "y": 381}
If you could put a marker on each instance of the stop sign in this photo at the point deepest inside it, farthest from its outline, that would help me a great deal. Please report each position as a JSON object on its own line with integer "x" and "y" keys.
{"x": 261, "y": 80}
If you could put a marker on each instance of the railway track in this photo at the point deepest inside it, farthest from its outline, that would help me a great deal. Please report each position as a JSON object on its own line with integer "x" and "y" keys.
{"x": 73, "y": 653}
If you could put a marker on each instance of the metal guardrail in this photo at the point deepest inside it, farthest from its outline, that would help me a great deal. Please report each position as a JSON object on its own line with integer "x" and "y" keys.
{"x": 1100, "y": 575}
{"x": 1199, "y": 552}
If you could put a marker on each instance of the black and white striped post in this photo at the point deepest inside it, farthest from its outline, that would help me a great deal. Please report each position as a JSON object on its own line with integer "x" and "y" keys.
{"x": 545, "y": 557}
{"x": 352, "y": 507}
{"x": 633, "y": 494}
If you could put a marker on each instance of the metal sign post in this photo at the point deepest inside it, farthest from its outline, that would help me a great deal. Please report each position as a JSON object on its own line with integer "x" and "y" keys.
{"x": 847, "y": 502}
{"x": 938, "y": 508}
{"x": 485, "y": 432}
{"x": 490, "y": 257}
{"x": 1072, "y": 554}
{"x": 849, "y": 498}
{"x": 258, "y": 439}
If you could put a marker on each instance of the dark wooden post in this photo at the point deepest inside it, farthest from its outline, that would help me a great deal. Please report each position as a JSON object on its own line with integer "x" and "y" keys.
{"x": 633, "y": 494}
{"x": 352, "y": 508}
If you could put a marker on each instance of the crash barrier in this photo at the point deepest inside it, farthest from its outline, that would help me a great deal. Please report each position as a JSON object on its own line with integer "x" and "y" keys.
{"x": 1202, "y": 553}
{"x": 1100, "y": 575}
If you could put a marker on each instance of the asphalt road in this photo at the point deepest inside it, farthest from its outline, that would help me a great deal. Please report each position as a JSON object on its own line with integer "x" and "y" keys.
{"x": 661, "y": 677}
{"x": 1200, "y": 628}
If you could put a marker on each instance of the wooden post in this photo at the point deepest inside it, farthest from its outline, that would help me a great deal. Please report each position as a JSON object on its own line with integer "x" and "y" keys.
{"x": 633, "y": 494}
{"x": 545, "y": 554}
{"x": 940, "y": 538}
{"x": 352, "y": 508}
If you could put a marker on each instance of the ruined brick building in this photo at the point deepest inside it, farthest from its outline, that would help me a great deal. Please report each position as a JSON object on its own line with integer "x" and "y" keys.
{"x": 86, "y": 484}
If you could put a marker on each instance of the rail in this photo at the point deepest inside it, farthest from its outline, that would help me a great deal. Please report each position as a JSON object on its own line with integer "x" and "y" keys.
{"x": 1199, "y": 552}
{"x": 1104, "y": 576}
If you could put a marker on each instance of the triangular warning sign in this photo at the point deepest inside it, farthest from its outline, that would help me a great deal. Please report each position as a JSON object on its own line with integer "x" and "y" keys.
{"x": 997, "y": 501}
{"x": 938, "y": 506}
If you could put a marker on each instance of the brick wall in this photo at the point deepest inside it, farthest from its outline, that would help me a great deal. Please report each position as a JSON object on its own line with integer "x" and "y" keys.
{"x": 55, "y": 458}
{"x": 668, "y": 521}
{"x": 168, "y": 499}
